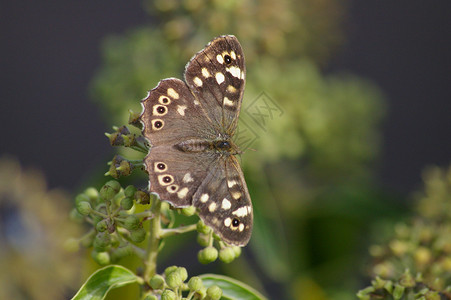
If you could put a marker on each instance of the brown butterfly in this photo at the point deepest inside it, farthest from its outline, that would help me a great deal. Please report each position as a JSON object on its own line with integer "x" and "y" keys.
{"x": 190, "y": 126}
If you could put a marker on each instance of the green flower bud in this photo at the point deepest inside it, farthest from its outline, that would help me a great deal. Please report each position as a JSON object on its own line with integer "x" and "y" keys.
{"x": 183, "y": 273}
{"x": 134, "y": 119}
{"x": 157, "y": 282}
{"x": 121, "y": 252}
{"x": 195, "y": 283}
{"x": 101, "y": 241}
{"x": 169, "y": 270}
{"x": 168, "y": 295}
{"x": 398, "y": 292}
{"x": 201, "y": 294}
{"x": 102, "y": 225}
{"x": 130, "y": 191}
{"x": 82, "y": 198}
{"x": 138, "y": 235}
{"x": 109, "y": 190}
{"x": 388, "y": 286}
{"x": 150, "y": 297}
{"x": 102, "y": 258}
{"x": 214, "y": 292}
{"x": 202, "y": 228}
{"x": 131, "y": 222}
{"x": 142, "y": 197}
{"x": 83, "y": 207}
{"x": 237, "y": 251}
{"x": 207, "y": 255}
{"x": 407, "y": 279}
{"x": 127, "y": 203}
{"x": 188, "y": 211}
{"x": 203, "y": 239}
{"x": 174, "y": 280}
{"x": 227, "y": 254}
{"x": 92, "y": 193}
{"x": 363, "y": 294}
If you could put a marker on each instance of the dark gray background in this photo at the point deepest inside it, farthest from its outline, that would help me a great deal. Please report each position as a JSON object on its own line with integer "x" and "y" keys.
{"x": 50, "y": 50}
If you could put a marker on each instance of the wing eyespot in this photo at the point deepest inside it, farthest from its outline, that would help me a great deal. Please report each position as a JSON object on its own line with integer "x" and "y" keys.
{"x": 227, "y": 59}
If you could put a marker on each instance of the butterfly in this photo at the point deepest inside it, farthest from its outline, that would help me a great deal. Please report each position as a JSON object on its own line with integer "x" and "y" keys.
{"x": 190, "y": 125}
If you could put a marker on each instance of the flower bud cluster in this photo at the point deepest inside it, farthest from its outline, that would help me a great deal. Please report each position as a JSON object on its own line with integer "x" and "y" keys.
{"x": 421, "y": 249}
{"x": 210, "y": 253}
{"x": 173, "y": 284}
{"x": 111, "y": 212}
{"x": 123, "y": 137}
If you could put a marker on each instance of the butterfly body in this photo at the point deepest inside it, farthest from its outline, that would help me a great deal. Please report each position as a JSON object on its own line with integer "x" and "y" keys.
{"x": 190, "y": 126}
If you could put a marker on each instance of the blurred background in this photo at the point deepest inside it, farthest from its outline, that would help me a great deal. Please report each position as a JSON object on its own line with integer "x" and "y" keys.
{"x": 362, "y": 92}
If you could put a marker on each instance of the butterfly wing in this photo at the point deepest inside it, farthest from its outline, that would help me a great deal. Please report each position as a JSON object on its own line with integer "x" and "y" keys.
{"x": 224, "y": 202}
{"x": 195, "y": 114}
{"x": 171, "y": 115}
{"x": 216, "y": 76}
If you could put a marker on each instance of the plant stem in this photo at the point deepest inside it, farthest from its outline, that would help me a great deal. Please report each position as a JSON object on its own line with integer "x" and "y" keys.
{"x": 169, "y": 232}
{"x": 154, "y": 241}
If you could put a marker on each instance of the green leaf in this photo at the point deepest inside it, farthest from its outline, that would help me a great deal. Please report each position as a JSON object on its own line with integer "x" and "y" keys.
{"x": 231, "y": 289}
{"x": 103, "y": 280}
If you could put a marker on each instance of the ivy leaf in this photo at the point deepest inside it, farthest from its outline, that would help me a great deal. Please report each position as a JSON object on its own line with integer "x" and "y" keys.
{"x": 103, "y": 280}
{"x": 232, "y": 289}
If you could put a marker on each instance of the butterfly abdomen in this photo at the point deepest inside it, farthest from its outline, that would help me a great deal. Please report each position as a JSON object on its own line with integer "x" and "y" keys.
{"x": 193, "y": 146}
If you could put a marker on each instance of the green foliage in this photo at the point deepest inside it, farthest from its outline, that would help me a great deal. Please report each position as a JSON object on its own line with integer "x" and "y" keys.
{"x": 415, "y": 263}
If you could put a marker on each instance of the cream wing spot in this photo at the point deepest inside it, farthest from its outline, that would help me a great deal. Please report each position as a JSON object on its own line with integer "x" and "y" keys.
{"x": 204, "y": 198}
{"x": 236, "y": 195}
{"x": 227, "y": 222}
{"x": 231, "y": 183}
{"x": 231, "y": 89}
{"x": 212, "y": 207}
{"x": 228, "y": 102}
{"x": 182, "y": 193}
{"x": 187, "y": 178}
{"x": 181, "y": 109}
{"x": 233, "y": 55}
{"x": 241, "y": 227}
{"x": 196, "y": 102}
{"x": 220, "y": 59}
{"x": 240, "y": 212}
{"x": 172, "y": 93}
{"x": 197, "y": 81}
{"x": 205, "y": 73}
{"x": 219, "y": 77}
{"x": 226, "y": 204}
{"x": 235, "y": 71}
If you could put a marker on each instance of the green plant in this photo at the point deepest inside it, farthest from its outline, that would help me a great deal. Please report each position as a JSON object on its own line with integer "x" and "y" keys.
{"x": 415, "y": 263}
{"x": 131, "y": 222}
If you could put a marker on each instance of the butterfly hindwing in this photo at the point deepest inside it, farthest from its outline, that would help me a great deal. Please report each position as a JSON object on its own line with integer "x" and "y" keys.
{"x": 224, "y": 202}
{"x": 175, "y": 175}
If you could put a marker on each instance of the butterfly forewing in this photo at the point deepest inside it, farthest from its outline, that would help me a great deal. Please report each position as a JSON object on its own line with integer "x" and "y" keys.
{"x": 168, "y": 114}
{"x": 216, "y": 75}
{"x": 190, "y": 126}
